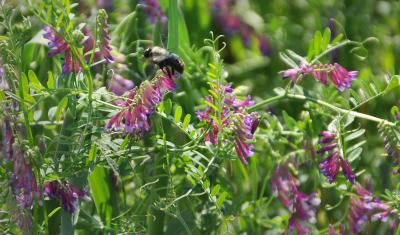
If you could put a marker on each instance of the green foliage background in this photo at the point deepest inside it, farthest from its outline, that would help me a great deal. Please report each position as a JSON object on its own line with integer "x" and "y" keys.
{"x": 171, "y": 182}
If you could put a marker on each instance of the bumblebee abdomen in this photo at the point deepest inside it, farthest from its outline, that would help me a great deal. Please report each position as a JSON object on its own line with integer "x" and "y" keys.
{"x": 174, "y": 61}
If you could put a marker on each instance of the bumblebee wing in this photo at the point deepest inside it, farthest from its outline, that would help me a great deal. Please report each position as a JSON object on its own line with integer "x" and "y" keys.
{"x": 158, "y": 58}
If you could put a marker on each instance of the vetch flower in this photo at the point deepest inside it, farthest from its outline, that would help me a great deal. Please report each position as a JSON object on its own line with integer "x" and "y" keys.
{"x": 334, "y": 33}
{"x": 154, "y": 11}
{"x": 88, "y": 45}
{"x": 9, "y": 139}
{"x": 67, "y": 193}
{"x": 3, "y": 82}
{"x": 392, "y": 149}
{"x": 233, "y": 25}
{"x": 24, "y": 183}
{"x": 244, "y": 130}
{"x": 298, "y": 72}
{"x": 119, "y": 85}
{"x": 330, "y": 166}
{"x": 1, "y": 71}
{"x": 234, "y": 119}
{"x": 104, "y": 4}
{"x": 134, "y": 118}
{"x": 327, "y": 137}
{"x": 302, "y": 207}
{"x": 339, "y": 76}
{"x": 364, "y": 208}
{"x": 58, "y": 45}
{"x": 104, "y": 36}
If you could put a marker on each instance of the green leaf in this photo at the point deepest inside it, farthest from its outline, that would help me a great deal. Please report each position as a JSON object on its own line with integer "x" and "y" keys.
{"x": 101, "y": 189}
{"x": 178, "y": 114}
{"x": 354, "y": 135}
{"x": 353, "y": 155}
{"x": 337, "y": 39}
{"x": 60, "y": 107}
{"x": 215, "y": 190}
{"x": 206, "y": 184}
{"x": 317, "y": 42}
{"x": 173, "y": 26}
{"x": 325, "y": 39}
{"x": 287, "y": 60}
{"x": 311, "y": 52}
{"x": 2, "y": 96}
{"x": 289, "y": 121}
{"x": 92, "y": 154}
{"x": 186, "y": 121}
{"x": 167, "y": 106}
{"x": 349, "y": 120}
{"x": 34, "y": 81}
{"x": 294, "y": 55}
{"x": 50, "y": 80}
{"x": 394, "y": 82}
{"x": 394, "y": 110}
{"x": 183, "y": 32}
{"x": 25, "y": 89}
{"x": 359, "y": 144}
{"x": 221, "y": 199}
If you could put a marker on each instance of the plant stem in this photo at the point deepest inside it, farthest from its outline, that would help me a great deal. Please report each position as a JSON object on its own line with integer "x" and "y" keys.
{"x": 344, "y": 43}
{"x": 322, "y": 103}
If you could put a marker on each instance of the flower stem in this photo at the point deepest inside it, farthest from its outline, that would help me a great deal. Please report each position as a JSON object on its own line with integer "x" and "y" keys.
{"x": 322, "y": 103}
{"x": 344, "y": 43}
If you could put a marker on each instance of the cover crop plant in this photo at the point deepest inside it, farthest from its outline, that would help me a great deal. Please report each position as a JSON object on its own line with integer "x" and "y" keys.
{"x": 199, "y": 117}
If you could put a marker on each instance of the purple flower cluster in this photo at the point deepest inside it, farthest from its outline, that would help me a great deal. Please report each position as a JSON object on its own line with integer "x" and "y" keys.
{"x": 88, "y": 45}
{"x": 233, "y": 25}
{"x": 104, "y": 4}
{"x": 302, "y": 207}
{"x": 3, "y": 83}
{"x": 330, "y": 166}
{"x": 1, "y": 70}
{"x": 9, "y": 139}
{"x": 24, "y": 183}
{"x": 234, "y": 117}
{"x": 363, "y": 207}
{"x": 134, "y": 118}
{"x": 338, "y": 75}
{"x": 153, "y": 10}
{"x": 244, "y": 130}
{"x": 58, "y": 45}
{"x": 67, "y": 193}
{"x": 119, "y": 85}
{"x": 104, "y": 36}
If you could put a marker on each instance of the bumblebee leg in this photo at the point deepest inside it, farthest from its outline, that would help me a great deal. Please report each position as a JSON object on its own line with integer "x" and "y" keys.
{"x": 165, "y": 71}
{"x": 169, "y": 72}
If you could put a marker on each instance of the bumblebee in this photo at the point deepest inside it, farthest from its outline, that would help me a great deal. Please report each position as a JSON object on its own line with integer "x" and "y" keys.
{"x": 167, "y": 61}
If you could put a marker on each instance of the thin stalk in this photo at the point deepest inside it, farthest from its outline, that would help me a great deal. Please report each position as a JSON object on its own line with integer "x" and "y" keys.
{"x": 322, "y": 103}
{"x": 344, "y": 43}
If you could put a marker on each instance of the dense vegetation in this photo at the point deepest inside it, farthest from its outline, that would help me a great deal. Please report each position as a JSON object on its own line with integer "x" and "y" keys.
{"x": 199, "y": 117}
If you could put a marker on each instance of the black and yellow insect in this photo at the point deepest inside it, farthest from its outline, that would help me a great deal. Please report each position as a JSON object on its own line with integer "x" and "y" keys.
{"x": 167, "y": 61}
